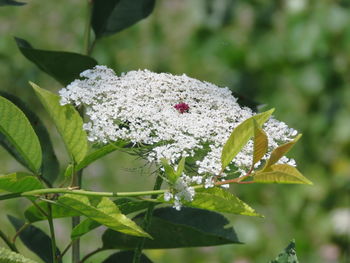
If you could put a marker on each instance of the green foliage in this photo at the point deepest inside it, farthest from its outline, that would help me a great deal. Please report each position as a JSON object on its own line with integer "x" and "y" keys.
{"x": 50, "y": 165}
{"x": 19, "y": 135}
{"x": 125, "y": 205}
{"x": 220, "y": 200}
{"x": 260, "y": 143}
{"x": 68, "y": 122}
{"x": 170, "y": 172}
{"x": 35, "y": 240}
{"x": 240, "y": 136}
{"x": 281, "y": 174}
{"x": 10, "y": 2}
{"x": 102, "y": 210}
{"x": 288, "y": 255}
{"x": 125, "y": 256}
{"x": 33, "y": 214}
{"x": 279, "y": 152}
{"x": 112, "y": 16}
{"x": 93, "y": 156}
{"x": 175, "y": 229}
{"x": 19, "y": 182}
{"x": 62, "y": 66}
{"x": 8, "y": 256}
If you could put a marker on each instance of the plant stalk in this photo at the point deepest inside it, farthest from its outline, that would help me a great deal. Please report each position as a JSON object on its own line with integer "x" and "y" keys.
{"x": 87, "y": 31}
{"x": 147, "y": 221}
{"x": 8, "y": 242}
{"x": 52, "y": 232}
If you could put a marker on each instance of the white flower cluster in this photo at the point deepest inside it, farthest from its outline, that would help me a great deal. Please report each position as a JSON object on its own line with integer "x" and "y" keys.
{"x": 184, "y": 113}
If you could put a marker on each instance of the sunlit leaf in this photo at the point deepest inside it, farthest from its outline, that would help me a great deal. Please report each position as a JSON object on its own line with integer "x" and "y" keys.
{"x": 180, "y": 167}
{"x": 281, "y": 174}
{"x": 170, "y": 228}
{"x": 19, "y": 134}
{"x": 279, "y": 152}
{"x": 102, "y": 210}
{"x": 62, "y": 66}
{"x": 19, "y": 182}
{"x": 112, "y": 16}
{"x": 50, "y": 166}
{"x": 35, "y": 239}
{"x": 8, "y": 256}
{"x": 125, "y": 205}
{"x": 219, "y": 200}
{"x": 68, "y": 122}
{"x": 240, "y": 136}
{"x": 260, "y": 143}
{"x": 289, "y": 255}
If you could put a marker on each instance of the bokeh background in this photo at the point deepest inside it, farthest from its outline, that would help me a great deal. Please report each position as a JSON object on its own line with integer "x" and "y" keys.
{"x": 293, "y": 55}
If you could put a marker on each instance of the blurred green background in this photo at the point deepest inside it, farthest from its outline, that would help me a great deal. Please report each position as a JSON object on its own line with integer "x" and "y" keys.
{"x": 293, "y": 55}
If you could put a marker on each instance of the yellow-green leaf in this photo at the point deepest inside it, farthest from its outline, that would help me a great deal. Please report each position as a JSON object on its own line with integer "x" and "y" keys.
{"x": 279, "y": 152}
{"x": 19, "y": 136}
{"x": 260, "y": 143}
{"x": 219, "y": 200}
{"x": 281, "y": 174}
{"x": 103, "y": 211}
{"x": 68, "y": 122}
{"x": 19, "y": 182}
{"x": 8, "y": 256}
{"x": 240, "y": 136}
{"x": 169, "y": 170}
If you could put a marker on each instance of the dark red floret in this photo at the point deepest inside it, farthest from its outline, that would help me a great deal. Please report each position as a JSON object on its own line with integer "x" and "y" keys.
{"x": 182, "y": 107}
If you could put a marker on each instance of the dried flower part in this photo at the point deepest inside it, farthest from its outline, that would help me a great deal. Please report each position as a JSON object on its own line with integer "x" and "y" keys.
{"x": 143, "y": 107}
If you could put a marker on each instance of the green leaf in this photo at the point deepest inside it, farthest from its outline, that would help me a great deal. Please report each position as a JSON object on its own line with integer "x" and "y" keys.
{"x": 240, "y": 136}
{"x": 126, "y": 257}
{"x": 62, "y": 66}
{"x": 35, "y": 239}
{"x": 102, "y": 210}
{"x": 175, "y": 229}
{"x": 112, "y": 16}
{"x": 68, "y": 122}
{"x": 125, "y": 205}
{"x": 95, "y": 155}
{"x": 220, "y": 200}
{"x": 19, "y": 182}
{"x": 10, "y": 2}
{"x": 50, "y": 165}
{"x": 181, "y": 167}
{"x": 279, "y": 152}
{"x": 260, "y": 143}
{"x": 169, "y": 171}
{"x": 32, "y": 213}
{"x": 281, "y": 174}
{"x": 8, "y": 256}
{"x": 289, "y": 255}
{"x": 19, "y": 134}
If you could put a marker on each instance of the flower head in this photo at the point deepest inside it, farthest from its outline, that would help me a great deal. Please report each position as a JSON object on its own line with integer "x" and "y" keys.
{"x": 143, "y": 107}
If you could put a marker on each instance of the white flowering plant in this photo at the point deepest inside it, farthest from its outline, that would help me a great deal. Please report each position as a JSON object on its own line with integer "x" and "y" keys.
{"x": 195, "y": 135}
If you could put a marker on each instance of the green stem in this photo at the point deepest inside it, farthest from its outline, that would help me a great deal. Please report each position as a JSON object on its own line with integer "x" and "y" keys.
{"x": 8, "y": 242}
{"x": 87, "y": 33}
{"x": 52, "y": 232}
{"x": 10, "y": 196}
{"x": 90, "y": 193}
{"x": 147, "y": 221}
{"x": 76, "y": 220}
{"x": 109, "y": 194}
